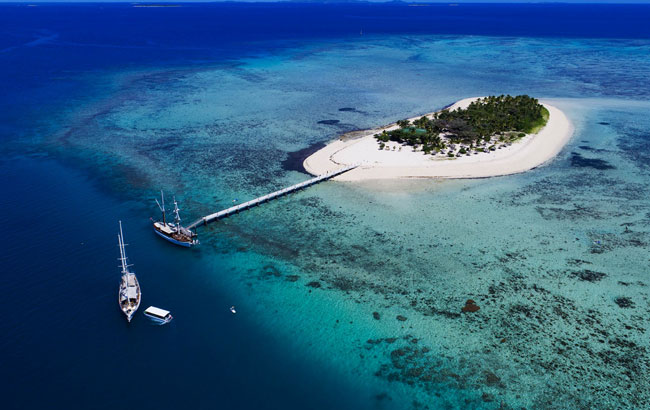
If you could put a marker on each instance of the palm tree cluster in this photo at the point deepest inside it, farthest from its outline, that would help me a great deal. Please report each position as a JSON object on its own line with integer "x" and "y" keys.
{"x": 481, "y": 120}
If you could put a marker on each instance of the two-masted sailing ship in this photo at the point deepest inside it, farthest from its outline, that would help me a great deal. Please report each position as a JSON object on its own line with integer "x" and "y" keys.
{"x": 174, "y": 232}
{"x": 129, "y": 296}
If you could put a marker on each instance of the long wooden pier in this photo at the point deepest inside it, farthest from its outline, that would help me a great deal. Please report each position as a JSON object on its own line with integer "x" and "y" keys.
{"x": 269, "y": 197}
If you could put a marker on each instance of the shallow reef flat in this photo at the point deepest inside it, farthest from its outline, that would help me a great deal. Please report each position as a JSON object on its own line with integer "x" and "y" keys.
{"x": 369, "y": 281}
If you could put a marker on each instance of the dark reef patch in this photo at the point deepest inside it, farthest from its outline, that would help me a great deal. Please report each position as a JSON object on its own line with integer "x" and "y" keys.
{"x": 579, "y": 161}
{"x": 605, "y": 242}
{"x": 317, "y": 206}
{"x": 470, "y": 306}
{"x": 564, "y": 213}
{"x": 492, "y": 379}
{"x": 624, "y": 302}
{"x": 382, "y": 396}
{"x": 417, "y": 366}
{"x": 586, "y": 147}
{"x": 444, "y": 313}
{"x": 588, "y": 275}
{"x": 343, "y": 283}
{"x": 294, "y": 160}
{"x": 269, "y": 271}
{"x": 329, "y": 122}
{"x": 487, "y": 397}
{"x": 577, "y": 262}
{"x": 352, "y": 110}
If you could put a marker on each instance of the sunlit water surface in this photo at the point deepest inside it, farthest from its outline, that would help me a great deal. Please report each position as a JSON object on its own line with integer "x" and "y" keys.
{"x": 348, "y": 294}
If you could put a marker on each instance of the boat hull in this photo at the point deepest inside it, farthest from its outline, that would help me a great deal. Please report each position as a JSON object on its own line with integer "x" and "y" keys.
{"x": 172, "y": 240}
{"x": 130, "y": 310}
{"x": 162, "y": 321}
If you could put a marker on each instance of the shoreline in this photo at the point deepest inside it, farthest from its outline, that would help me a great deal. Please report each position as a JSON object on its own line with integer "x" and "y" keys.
{"x": 530, "y": 152}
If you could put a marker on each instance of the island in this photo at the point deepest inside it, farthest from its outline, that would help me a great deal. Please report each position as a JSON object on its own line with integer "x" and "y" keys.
{"x": 476, "y": 137}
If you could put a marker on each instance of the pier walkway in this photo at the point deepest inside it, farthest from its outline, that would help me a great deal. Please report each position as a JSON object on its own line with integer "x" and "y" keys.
{"x": 269, "y": 197}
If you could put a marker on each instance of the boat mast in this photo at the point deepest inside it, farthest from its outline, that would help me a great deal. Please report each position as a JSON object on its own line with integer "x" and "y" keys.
{"x": 120, "y": 240}
{"x": 177, "y": 218}
{"x": 162, "y": 207}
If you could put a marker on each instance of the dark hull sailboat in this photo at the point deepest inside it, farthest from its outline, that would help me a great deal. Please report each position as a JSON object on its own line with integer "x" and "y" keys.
{"x": 173, "y": 232}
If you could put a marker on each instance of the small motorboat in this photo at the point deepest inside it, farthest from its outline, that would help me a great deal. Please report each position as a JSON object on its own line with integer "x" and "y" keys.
{"x": 232, "y": 309}
{"x": 161, "y": 316}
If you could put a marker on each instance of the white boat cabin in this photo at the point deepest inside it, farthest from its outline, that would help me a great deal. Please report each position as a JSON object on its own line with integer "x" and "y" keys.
{"x": 158, "y": 313}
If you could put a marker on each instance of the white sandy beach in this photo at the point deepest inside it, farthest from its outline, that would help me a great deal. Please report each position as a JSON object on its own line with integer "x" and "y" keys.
{"x": 523, "y": 155}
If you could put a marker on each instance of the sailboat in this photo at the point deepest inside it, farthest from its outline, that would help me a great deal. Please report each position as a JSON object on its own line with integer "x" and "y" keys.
{"x": 129, "y": 296}
{"x": 174, "y": 232}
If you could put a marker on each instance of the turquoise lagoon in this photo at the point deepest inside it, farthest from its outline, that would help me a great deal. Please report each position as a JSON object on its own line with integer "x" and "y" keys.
{"x": 361, "y": 285}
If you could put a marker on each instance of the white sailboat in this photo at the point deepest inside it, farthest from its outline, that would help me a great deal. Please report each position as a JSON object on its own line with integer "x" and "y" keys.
{"x": 129, "y": 296}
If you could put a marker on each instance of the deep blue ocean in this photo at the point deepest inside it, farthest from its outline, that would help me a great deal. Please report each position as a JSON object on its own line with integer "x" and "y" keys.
{"x": 101, "y": 105}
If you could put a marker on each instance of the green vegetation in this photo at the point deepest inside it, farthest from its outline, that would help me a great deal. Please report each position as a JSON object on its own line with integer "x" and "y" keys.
{"x": 536, "y": 126}
{"x": 503, "y": 117}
